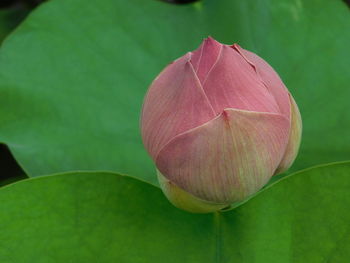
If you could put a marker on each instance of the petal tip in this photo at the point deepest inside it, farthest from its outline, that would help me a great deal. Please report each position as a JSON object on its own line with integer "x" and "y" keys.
{"x": 235, "y": 46}
{"x": 210, "y": 41}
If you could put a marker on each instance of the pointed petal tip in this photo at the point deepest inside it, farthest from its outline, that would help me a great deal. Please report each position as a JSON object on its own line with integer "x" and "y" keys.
{"x": 188, "y": 56}
{"x": 210, "y": 40}
{"x": 188, "y": 64}
{"x": 181, "y": 60}
{"x": 235, "y": 46}
{"x": 240, "y": 51}
{"x": 226, "y": 47}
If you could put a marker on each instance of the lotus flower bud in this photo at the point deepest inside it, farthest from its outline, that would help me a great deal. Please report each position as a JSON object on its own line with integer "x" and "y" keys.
{"x": 218, "y": 123}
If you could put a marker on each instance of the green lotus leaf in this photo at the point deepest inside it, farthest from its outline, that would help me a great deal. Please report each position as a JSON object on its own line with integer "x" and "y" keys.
{"x": 106, "y": 217}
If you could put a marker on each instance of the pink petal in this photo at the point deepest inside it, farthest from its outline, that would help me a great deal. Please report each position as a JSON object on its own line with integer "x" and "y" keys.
{"x": 233, "y": 83}
{"x": 205, "y": 56}
{"x": 175, "y": 103}
{"x": 269, "y": 77}
{"x": 227, "y": 159}
{"x": 294, "y": 138}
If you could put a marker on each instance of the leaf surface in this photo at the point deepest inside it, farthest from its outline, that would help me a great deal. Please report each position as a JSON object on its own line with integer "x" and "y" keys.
{"x": 10, "y": 18}
{"x": 105, "y": 217}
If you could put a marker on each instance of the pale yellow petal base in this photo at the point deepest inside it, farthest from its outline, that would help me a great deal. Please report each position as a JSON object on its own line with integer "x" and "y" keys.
{"x": 185, "y": 201}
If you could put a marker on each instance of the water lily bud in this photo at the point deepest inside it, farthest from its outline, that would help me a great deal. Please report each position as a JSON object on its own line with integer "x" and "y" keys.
{"x": 218, "y": 123}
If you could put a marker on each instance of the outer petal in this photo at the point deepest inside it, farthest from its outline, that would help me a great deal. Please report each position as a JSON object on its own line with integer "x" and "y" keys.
{"x": 227, "y": 159}
{"x": 205, "y": 57}
{"x": 175, "y": 103}
{"x": 294, "y": 138}
{"x": 183, "y": 200}
{"x": 270, "y": 79}
{"x": 233, "y": 83}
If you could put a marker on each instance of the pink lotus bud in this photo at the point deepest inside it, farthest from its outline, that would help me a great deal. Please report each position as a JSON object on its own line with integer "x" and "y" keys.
{"x": 218, "y": 123}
